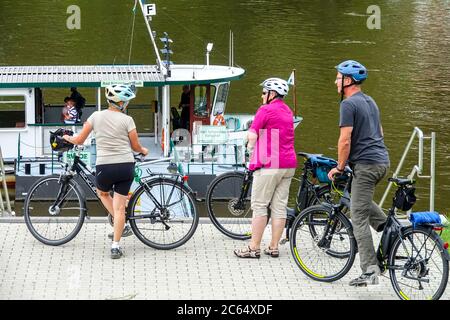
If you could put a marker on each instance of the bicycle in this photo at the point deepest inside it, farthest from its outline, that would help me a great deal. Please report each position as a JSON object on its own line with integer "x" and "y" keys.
{"x": 324, "y": 248}
{"x": 161, "y": 211}
{"x": 228, "y": 196}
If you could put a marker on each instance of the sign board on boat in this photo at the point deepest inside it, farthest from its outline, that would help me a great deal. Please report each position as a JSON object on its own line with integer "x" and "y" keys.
{"x": 85, "y": 156}
{"x": 110, "y": 83}
{"x": 212, "y": 135}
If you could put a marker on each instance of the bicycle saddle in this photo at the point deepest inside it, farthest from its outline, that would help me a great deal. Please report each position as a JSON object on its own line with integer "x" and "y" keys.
{"x": 402, "y": 181}
{"x": 309, "y": 155}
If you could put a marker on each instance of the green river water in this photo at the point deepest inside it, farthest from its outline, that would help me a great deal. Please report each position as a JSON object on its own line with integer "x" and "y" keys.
{"x": 408, "y": 58}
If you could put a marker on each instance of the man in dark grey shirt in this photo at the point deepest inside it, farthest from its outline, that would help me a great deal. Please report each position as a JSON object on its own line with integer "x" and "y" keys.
{"x": 361, "y": 143}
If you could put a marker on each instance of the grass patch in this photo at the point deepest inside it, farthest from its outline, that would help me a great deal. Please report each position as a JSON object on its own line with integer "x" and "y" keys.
{"x": 446, "y": 235}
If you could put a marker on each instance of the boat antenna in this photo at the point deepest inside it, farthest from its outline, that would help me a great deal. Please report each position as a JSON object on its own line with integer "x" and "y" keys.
{"x": 132, "y": 31}
{"x": 149, "y": 10}
{"x": 231, "y": 53}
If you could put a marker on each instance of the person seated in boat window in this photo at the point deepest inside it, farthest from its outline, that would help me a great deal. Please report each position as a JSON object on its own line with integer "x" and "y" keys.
{"x": 80, "y": 102}
{"x": 70, "y": 112}
{"x": 185, "y": 103}
{"x": 64, "y": 109}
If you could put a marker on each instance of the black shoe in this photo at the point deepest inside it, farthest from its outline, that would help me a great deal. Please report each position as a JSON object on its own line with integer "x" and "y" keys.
{"x": 126, "y": 232}
{"x": 116, "y": 253}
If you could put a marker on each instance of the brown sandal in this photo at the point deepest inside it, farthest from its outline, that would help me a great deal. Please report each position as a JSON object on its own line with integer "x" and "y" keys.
{"x": 274, "y": 253}
{"x": 247, "y": 252}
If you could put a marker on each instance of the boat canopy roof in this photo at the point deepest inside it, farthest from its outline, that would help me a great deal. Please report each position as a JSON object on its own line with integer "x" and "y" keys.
{"x": 97, "y": 76}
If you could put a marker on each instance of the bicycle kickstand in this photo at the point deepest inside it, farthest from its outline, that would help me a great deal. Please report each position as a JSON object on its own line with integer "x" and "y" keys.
{"x": 286, "y": 239}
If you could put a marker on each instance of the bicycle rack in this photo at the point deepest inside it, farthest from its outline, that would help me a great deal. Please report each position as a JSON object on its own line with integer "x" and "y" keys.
{"x": 418, "y": 168}
{"x": 5, "y": 189}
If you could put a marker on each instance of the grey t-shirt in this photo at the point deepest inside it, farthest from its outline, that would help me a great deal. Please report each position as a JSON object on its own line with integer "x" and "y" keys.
{"x": 361, "y": 112}
{"x": 111, "y": 135}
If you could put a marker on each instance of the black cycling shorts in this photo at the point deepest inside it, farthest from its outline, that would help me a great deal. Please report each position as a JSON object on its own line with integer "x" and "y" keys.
{"x": 117, "y": 177}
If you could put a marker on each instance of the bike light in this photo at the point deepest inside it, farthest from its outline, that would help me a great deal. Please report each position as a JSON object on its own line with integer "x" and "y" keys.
{"x": 446, "y": 245}
{"x": 185, "y": 178}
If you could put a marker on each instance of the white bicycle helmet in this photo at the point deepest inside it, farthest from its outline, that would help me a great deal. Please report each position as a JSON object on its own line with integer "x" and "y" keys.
{"x": 120, "y": 92}
{"x": 278, "y": 85}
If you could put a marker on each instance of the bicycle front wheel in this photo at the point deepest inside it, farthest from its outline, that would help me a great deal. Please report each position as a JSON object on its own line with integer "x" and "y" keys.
{"x": 418, "y": 266}
{"x": 321, "y": 260}
{"x": 163, "y": 214}
{"x": 54, "y": 210}
{"x": 228, "y": 214}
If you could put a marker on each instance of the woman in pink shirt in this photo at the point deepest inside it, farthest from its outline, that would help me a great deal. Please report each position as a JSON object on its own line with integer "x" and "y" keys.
{"x": 273, "y": 159}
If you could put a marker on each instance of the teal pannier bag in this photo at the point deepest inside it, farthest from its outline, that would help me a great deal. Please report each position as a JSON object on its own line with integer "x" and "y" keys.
{"x": 321, "y": 166}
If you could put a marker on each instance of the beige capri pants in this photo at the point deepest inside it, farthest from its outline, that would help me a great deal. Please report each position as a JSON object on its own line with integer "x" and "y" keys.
{"x": 271, "y": 186}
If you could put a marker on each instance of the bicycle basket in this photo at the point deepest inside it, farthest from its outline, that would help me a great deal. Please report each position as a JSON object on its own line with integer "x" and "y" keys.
{"x": 405, "y": 198}
{"x": 58, "y": 143}
{"x": 321, "y": 166}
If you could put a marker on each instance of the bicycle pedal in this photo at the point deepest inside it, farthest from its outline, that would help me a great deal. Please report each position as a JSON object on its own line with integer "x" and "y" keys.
{"x": 284, "y": 241}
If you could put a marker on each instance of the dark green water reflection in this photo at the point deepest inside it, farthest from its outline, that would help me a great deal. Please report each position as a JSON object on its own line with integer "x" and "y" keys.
{"x": 408, "y": 59}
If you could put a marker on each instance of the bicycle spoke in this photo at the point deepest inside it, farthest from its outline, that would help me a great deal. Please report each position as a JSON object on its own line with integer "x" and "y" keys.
{"x": 167, "y": 225}
{"x": 48, "y": 222}
{"x": 417, "y": 269}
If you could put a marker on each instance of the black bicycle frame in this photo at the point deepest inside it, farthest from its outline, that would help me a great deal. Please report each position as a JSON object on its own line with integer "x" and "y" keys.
{"x": 79, "y": 167}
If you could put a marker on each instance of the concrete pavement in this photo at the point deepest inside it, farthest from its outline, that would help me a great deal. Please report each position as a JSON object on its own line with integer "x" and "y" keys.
{"x": 204, "y": 268}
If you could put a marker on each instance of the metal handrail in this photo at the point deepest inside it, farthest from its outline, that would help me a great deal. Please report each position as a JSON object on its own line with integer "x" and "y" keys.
{"x": 418, "y": 168}
{"x": 5, "y": 188}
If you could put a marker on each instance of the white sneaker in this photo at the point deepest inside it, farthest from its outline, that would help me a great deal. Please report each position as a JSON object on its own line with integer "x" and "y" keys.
{"x": 370, "y": 277}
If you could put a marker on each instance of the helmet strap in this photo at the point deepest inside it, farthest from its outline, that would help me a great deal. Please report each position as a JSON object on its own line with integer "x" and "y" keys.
{"x": 115, "y": 105}
{"x": 277, "y": 96}
{"x": 346, "y": 86}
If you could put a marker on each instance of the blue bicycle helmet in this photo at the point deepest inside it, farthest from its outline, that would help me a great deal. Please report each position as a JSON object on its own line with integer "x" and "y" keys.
{"x": 353, "y": 69}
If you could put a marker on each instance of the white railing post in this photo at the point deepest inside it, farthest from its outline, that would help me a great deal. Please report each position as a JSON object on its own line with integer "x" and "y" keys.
{"x": 5, "y": 188}
{"x": 432, "y": 170}
{"x": 418, "y": 168}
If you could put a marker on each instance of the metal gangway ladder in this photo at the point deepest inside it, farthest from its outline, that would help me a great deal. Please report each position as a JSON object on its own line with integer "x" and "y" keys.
{"x": 418, "y": 168}
{"x": 4, "y": 187}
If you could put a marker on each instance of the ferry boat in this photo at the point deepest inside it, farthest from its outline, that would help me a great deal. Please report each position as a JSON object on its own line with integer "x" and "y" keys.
{"x": 215, "y": 140}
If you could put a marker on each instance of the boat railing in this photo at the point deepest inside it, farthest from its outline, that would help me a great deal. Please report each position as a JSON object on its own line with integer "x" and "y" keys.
{"x": 210, "y": 155}
{"x": 4, "y": 187}
{"x": 419, "y": 167}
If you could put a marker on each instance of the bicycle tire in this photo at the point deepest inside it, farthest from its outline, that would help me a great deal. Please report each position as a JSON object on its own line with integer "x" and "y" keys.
{"x": 175, "y": 221}
{"x": 42, "y": 195}
{"x": 419, "y": 269}
{"x": 306, "y": 252}
{"x": 222, "y": 194}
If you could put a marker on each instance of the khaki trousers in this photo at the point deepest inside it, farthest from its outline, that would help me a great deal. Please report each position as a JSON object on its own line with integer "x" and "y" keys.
{"x": 271, "y": 187}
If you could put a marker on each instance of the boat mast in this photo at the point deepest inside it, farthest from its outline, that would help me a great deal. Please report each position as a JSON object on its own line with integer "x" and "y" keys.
{"x": 149, "y": 10}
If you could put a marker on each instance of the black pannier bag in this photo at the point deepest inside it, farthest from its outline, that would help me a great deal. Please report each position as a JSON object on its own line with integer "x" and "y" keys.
{"x": 405, "y": 198}
{"x": 58, "y": 143}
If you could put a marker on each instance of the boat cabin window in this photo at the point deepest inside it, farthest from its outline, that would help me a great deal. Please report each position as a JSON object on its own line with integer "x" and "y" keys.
{"x": 201, "y": 101}
{"x": 12, "y": 112}
{"x": 221, "y": 101}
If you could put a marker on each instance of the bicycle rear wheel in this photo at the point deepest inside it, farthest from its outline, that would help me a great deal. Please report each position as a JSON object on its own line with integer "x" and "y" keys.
{"x": 418, "y": 266}
{"x": 327, "y": 262}
{"x": 54, "y": 210}
{"x": 231, "y": 217}
{"x": 170, "y": 227}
